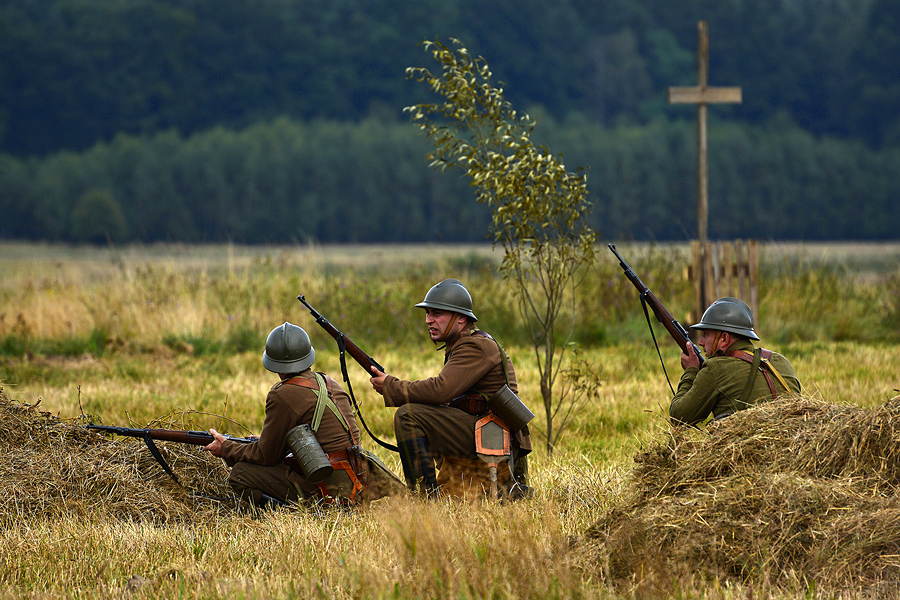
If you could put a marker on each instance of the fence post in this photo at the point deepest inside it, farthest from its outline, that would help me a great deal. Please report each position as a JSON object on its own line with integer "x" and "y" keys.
{"x": 724, "y": 269}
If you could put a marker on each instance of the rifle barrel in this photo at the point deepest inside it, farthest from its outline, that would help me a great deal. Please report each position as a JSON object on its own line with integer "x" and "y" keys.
{"x": 360, "y": 356}
{"x": 196, "y": 438}
{"x": 676, "y": 330}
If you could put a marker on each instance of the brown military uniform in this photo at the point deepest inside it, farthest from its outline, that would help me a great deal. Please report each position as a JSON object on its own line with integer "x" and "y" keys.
{"x": 426, "y": 408}
{"x": 716, "y": 388}
{"x": 257, "y": 468}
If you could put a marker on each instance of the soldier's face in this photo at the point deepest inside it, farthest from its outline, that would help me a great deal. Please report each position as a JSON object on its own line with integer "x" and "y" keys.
{"x": 442, "y": 324}
{"x": 707, "y": 341}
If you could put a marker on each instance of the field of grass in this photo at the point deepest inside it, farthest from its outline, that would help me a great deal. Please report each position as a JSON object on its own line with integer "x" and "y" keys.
{"x": 132, "y": 335}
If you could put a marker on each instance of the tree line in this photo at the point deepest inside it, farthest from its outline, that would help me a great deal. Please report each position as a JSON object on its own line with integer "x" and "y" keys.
{"x": 77, "y": 72}
{"x": 289, "y": 181}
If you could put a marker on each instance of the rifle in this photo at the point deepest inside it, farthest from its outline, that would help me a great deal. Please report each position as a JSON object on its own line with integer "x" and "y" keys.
{"x": 675, "y": 329}
{"x": 196, "y": 438}
{"x": 345, "y": 344}
{"x": 364, "y": 360}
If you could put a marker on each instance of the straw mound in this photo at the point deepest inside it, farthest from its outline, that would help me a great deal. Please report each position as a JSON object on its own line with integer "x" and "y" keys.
{"x": 794, "y": 492}
{"x": 53, "y": 468}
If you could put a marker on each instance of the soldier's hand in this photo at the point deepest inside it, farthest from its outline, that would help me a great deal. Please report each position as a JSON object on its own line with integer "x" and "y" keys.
{"x": 377, "y": 380}
{"x": 689, "y": 358}
{"x": 215, "y": 446}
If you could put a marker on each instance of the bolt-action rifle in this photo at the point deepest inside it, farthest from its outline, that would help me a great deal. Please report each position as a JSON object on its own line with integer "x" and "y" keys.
{"x": 648, "y": 298}
{"x": 346, "y": 345}
{"x": 196, "y": 438}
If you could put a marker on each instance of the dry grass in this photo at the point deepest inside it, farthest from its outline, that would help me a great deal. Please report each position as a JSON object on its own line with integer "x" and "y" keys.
{"x": 82, "y": 514}
{"x": 58, "y": 469}
{"x": 789, "y": 500}
{"x": 790, "y": 495}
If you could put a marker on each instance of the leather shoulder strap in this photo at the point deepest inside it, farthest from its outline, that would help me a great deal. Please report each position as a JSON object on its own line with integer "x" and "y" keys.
{"x": 300, "y": 381}
{"x": 758, "y": 357}
{"x": 504, "y": 357}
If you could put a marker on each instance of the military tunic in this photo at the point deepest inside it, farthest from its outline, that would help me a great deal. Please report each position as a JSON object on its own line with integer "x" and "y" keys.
{"x": 472, "y": 364}
{"x": 257, "y": 467}
{"x": 716, "y": 388}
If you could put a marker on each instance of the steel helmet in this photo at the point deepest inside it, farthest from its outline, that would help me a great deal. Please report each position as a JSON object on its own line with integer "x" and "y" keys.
{"x": 728, "y": 314}
{"x": 450, "y": 295}
{"x": 288, "y": 350}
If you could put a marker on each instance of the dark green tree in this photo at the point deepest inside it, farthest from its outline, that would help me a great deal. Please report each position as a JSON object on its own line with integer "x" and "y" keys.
{"x": 98, "y": 219}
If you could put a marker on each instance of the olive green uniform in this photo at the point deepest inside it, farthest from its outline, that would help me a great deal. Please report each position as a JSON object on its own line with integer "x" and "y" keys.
{"x": 716, "y": 388}
{"x": 257, "y": 467}
{"x": 472, "y": 365}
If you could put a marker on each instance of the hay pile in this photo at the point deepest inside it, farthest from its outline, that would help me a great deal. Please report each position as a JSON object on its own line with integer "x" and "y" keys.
{"x": 53, "y": 468}
{"x": 791, "y": 494}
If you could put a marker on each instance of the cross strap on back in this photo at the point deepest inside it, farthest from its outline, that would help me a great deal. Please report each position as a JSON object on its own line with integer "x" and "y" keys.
{"x": 323, "y": 400}
{"x": 759, "y": 359}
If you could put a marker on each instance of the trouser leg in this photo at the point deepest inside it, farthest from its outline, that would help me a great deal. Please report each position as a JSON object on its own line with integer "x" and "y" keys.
{"x": 261, "y": 486}
{"x": 267, "y": 501}
{"x": 424, "y": 431}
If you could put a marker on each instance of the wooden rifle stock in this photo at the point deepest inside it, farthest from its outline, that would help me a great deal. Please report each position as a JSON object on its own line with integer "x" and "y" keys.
{"x": 675, "y": 329}
{"x": 364, "y": 360}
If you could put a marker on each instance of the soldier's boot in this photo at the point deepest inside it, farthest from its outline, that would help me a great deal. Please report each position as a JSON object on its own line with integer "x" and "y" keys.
{"x": 418, "y": 467}
{"x": 518, "y": 484}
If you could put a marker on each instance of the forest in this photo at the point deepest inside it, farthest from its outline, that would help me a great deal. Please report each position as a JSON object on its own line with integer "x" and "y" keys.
{"x": 279, "y": 121}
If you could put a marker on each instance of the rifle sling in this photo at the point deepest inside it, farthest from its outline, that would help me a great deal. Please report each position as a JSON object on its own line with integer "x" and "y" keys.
{"x": 342, "y": 347}
{"x": 154, "y": 451}
{"x": 655, "y": 343}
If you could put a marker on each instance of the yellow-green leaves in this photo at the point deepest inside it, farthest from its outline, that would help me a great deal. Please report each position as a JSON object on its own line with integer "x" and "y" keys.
{"x": 537, "y": 204}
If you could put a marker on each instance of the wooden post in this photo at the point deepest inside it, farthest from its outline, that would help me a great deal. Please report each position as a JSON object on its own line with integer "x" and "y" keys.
{"x": 696, "y": 272}
{"x": 724, "y": 269}
{"x": 753, "y": 276}
{"x": 702, "y": 95}
{"x": 728, "y": 268}
{"x": 706, "y": 274}
{"x": 741, "y": 269}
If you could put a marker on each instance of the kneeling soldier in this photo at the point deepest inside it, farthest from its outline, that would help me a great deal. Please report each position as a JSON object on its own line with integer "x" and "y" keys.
{"x": 259, "y": 472}
{"x": 437, "y": 417}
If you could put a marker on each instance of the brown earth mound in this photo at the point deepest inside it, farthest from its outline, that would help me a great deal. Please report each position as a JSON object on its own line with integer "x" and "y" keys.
{"x": 794, "y": 494}
{"x": 52, "y": 467}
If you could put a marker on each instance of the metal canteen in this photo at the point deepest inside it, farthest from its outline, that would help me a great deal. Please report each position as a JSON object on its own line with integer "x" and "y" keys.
{"x": 308, "y": 453}
{"x": 510, "y": 408}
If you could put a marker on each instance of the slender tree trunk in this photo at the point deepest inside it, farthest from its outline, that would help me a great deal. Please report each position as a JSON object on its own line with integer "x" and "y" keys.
{"x": 547, "y": 395}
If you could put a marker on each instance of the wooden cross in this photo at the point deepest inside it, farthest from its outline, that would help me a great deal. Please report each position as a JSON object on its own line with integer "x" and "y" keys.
{"x": 702, "y": 95}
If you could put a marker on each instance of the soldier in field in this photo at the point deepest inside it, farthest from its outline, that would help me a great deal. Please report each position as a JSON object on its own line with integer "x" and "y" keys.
{"x": 259, "y": 474}
{"x": 436, "y": 417}
{"x": 736, "y": 375}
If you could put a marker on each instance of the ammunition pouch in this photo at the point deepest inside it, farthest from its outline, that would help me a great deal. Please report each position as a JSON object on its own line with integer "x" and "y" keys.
{"x": 350, "y": 477}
